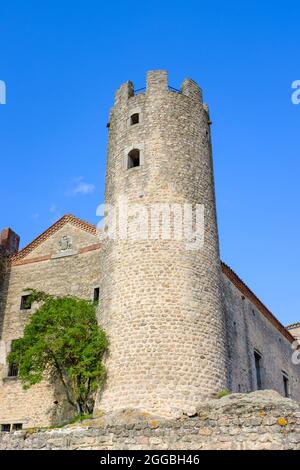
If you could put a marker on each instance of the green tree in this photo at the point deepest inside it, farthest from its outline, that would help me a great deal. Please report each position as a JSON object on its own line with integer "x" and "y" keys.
{"x": 63, "y": 340}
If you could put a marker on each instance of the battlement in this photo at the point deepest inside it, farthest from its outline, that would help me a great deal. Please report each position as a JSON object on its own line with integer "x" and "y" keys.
{"x": 157, "y": 82}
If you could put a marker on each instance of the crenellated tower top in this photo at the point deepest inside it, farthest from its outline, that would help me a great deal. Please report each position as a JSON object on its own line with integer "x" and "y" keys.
{"x": 157, "y": 82}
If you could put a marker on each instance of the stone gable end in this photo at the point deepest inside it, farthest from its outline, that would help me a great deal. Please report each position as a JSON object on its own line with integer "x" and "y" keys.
{"x": 68, "y": 240}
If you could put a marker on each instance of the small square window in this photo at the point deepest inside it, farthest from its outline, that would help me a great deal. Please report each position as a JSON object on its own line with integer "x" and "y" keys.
{"x": 5, "y": 427}
{"x": 134, "y": 119}
{"x": 13, "y": 370}
{"x": 96, "y": 295}
{"x": 25, "y": 302}
{"x": 17, "y": 427}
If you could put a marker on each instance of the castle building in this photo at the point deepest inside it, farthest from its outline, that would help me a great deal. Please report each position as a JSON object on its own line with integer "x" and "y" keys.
{"x": 295, "y": 330}
{"x": 182, "y": 326}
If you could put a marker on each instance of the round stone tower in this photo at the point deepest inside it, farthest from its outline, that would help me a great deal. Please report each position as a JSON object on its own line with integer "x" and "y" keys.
{"x": 160, "y": 291}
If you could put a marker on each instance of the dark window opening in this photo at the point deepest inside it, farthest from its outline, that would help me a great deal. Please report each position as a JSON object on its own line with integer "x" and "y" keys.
{"x": 96, "y": 295}
{"x": 133, "y": 159}
{"x": 135, "y": 119}
{"x": 257, "y": 358}
{"x": 13, "y": 370}
{"x": 25, "y": 302}
{"x": 17, "y": 426}
{"x": 286, "y": 386}
{"x": 5, "y": 427}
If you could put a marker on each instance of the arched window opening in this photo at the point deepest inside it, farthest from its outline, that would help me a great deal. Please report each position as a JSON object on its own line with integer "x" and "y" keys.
{"x": 135, "y": 119}
{"x": 133, "y": 159}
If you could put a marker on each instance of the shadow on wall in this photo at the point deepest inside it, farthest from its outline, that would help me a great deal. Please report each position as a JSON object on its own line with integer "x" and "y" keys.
{"x": 4, "y": 283}
{"x": 9, "y": 245}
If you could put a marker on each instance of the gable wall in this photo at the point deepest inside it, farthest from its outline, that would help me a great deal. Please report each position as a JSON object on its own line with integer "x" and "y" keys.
{"x": 69, "y": 275}
{"x": 248, "y": 329}
{"x": 51, "y": 246}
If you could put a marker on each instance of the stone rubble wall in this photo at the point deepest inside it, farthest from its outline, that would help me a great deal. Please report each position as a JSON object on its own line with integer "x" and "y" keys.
{"x": 3, "y": 282}
{"x": 248, "y": 331}
{"x": 75, "y": 273}
{"x": 3, "y": 271}
{"x": 2, "y": 265}
{"x": 160, "y": 301}
{"x": 259, "y": 420}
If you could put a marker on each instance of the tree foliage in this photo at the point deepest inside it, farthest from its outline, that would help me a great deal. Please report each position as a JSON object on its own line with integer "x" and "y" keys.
{"x": 63, "y": 339}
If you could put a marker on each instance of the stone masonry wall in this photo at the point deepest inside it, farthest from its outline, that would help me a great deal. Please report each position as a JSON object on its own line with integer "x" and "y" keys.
{"x": 69, "y": 273}
{"x": 3, "y": 270}
{"x": 260, "y": 420}
{"x": 2, "y": 266}
{"x": 248, "y": 330}
{"x": 4, "y": 277}
{"x": 161, "y": 302}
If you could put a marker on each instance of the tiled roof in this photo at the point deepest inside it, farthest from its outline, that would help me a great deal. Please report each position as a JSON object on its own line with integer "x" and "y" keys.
{"x": 294, "y": 325}
{"x": 66, "y": 219}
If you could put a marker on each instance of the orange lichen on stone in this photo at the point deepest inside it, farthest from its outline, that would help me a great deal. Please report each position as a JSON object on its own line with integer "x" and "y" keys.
{"x": 153, "y": 424}
{"x": 282, "y": 421}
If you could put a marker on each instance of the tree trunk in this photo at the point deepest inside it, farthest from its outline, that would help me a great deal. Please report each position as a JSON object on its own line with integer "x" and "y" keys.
{"x": 79, "y": 408}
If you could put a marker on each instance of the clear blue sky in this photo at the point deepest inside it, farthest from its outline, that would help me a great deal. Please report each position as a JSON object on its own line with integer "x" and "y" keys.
{"x": 62, "y": 62}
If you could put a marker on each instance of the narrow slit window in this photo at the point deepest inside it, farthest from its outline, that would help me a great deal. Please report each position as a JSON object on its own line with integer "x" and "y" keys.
{"x": 286, "y": 385}
{"x": 25, "y": 302}
{"x": 13, "y": 369}
{"x": 133, "y": 159}
{"x": 257, "y": 359}
{"x": 96, "y": 295}
{"x": 134, "y": 119}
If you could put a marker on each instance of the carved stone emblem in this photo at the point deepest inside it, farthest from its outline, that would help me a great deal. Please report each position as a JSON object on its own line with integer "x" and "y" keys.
{"x": 65, "y": 243}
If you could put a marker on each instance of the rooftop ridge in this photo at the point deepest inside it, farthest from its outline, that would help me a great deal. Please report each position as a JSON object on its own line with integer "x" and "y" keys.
{"x": 293, "y": 325}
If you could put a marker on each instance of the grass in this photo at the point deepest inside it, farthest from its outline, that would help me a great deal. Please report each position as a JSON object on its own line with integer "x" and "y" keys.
{"x": 222, "y": 393}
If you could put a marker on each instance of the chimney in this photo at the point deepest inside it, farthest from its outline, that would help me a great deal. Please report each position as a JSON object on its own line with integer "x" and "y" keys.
{"x": 9, "y": 241}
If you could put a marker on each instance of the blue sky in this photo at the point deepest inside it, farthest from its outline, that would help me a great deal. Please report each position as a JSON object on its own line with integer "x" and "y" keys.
{"x": 62, "y": 62}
